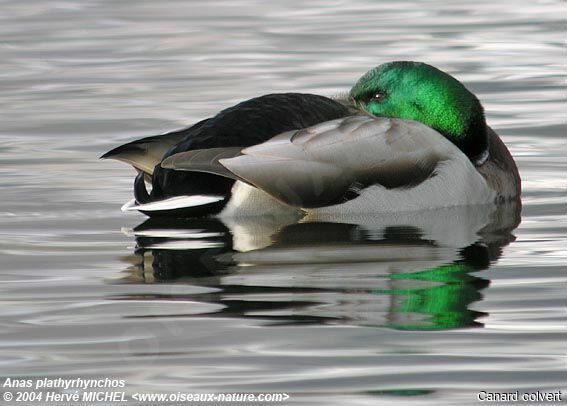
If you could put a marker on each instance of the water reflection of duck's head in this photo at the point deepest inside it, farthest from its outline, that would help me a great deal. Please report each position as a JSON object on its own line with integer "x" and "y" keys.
{"x": 411, "y": 271}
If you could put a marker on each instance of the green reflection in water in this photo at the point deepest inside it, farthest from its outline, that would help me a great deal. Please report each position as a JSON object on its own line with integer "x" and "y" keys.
{"x": 441, "y": 303}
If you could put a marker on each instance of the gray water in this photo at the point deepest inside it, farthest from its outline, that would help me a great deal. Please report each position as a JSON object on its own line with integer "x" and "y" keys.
{"x": 410, "y": 308}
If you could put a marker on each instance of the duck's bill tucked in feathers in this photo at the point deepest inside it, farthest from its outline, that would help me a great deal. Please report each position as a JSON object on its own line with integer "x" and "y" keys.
{"x": 328, "y": 163}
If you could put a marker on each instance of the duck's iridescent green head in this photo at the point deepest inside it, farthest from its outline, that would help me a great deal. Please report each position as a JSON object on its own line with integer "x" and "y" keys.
{"x": 417, "y": 91}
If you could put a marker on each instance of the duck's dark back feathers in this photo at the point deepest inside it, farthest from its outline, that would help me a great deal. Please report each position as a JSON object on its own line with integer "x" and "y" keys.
{"x": 245, "y": 124}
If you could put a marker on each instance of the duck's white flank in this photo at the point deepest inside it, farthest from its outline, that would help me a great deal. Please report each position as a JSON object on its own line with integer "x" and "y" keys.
{"x": 247, "y": 201}
{"x": 455, "y": 182}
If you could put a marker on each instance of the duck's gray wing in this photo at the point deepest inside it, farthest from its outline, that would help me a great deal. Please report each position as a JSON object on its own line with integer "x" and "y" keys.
{"x": 318, "y": 166}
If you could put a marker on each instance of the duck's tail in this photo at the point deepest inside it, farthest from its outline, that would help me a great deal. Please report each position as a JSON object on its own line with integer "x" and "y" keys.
{"x": 144, "y": 155}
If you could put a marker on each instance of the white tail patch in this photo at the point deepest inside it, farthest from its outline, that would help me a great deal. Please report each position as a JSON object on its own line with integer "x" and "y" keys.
{"x": 186, "y": 245}
{"x": 177, "y": 202}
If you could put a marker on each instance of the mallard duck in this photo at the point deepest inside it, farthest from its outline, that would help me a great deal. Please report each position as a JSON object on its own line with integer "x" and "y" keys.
{"x": 407, "y": 137}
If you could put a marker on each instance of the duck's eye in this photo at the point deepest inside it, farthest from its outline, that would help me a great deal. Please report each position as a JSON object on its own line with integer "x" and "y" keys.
{"x": 376, "y": 97}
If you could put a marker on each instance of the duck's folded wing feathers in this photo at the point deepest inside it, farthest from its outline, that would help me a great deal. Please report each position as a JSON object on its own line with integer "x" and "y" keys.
{"x": 203, "y": 160}
{"x": 317, "y": 166}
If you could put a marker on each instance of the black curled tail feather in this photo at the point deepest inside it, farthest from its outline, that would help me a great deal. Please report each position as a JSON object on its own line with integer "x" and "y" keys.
{"x": 140, "y": 192}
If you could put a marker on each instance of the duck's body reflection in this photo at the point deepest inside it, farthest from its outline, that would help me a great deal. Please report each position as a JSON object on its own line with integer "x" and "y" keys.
{"x": 408, "y": 271}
